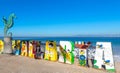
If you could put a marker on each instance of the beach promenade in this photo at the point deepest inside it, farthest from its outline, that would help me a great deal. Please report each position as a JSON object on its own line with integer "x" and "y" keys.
{"x": 21, "y": 64}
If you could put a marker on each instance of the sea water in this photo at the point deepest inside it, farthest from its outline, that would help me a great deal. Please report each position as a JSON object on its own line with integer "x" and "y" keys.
{"x": 114, "y": 40}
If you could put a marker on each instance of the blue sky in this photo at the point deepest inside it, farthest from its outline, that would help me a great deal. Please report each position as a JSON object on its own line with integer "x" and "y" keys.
{"x": 62, "y": 17}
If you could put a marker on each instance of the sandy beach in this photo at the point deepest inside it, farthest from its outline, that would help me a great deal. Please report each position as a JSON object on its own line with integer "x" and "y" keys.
{"x": 20, "y": 64}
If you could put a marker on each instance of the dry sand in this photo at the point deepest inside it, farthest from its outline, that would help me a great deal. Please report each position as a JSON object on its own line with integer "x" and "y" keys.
{"x": 20, "y": 64}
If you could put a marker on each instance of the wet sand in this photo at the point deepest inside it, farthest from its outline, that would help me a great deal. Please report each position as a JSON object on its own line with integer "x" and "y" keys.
{"x": 20, "y": 64}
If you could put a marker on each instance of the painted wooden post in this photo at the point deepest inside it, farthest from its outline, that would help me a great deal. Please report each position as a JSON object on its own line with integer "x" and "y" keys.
{"x": 104, "y": 56}
{"x": 24, "y": 48}
{"x": 50, "y": 51}
{"x": 37, "y": 50}
{"x": 82, "y": 52}
{"x": 1, "y": 46}
{"x": 30, "y": 49}
{"x": 66, "y": 52}
{"x": 16, "y": 47}
{"x": 18, "y": 51}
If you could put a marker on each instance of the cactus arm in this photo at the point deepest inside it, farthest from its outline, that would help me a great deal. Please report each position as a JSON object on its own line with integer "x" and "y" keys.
{"x": 4, "y": 20}
{"x": 11, "y": 21}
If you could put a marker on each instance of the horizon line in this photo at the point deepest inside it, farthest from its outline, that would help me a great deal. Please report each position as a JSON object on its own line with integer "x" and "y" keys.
{"x": 84, "y": 35}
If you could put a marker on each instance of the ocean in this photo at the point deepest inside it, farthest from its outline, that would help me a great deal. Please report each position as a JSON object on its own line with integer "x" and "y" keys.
{"x": 114, "y": 40}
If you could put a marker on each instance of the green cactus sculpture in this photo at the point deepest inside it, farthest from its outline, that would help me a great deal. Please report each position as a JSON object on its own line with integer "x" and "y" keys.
{"x": 8, "y": 24}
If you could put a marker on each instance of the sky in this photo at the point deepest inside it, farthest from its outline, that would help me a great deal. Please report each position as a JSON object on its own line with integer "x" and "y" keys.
{"x": 62, "y": 17}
